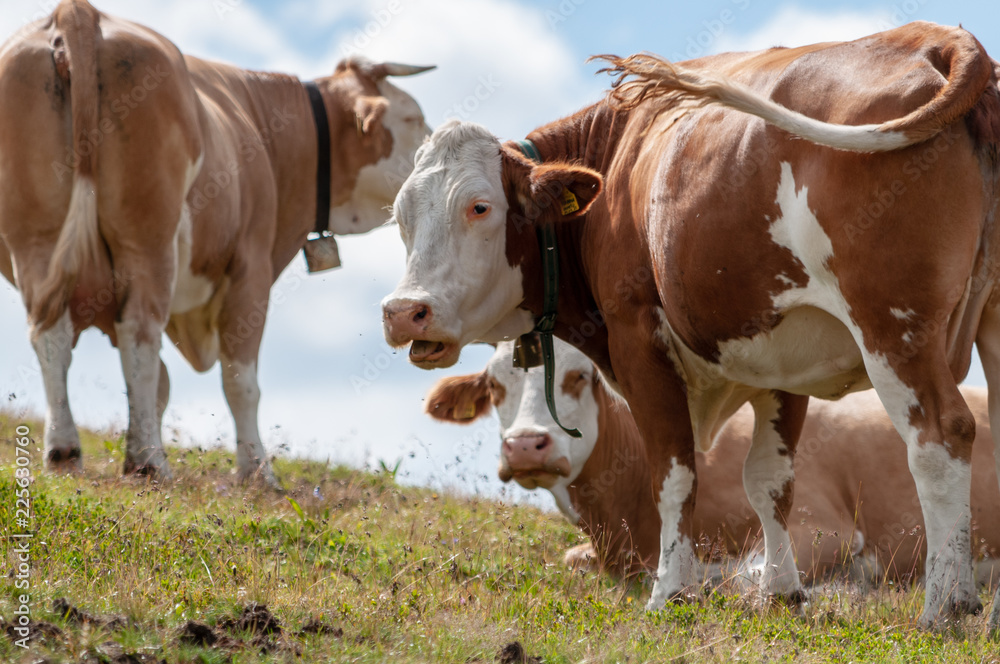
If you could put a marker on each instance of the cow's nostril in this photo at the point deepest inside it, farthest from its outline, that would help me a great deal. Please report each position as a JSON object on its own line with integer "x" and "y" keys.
{"x": 420, "y": 315}
{"x": 543, "y": 444}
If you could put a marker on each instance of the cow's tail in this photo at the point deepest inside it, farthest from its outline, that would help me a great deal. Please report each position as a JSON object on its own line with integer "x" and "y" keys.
{"x": 75, "y": 45}
{"x": 969, "y": 70}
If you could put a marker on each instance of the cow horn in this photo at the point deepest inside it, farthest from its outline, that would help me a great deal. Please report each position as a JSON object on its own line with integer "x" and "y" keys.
{"x": 384, "y": 69}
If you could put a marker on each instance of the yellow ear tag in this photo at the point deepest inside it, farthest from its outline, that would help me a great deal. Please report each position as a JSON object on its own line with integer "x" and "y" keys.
{"x": 569, "y": 202}
{"x": 466, "y": 411}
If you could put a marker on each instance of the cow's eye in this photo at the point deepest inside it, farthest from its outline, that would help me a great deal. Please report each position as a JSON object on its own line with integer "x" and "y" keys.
{"x": 478, "y": 209}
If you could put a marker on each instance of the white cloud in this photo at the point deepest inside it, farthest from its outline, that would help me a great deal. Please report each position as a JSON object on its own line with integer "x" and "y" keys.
{"x": 311, "y": 14}
{"x": 798, "y": 26}
{"x": 499, "y": 63}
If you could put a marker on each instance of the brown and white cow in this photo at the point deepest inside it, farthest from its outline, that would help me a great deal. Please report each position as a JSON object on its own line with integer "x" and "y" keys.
{"x": 712, "y": 259}
{"x": 142, "y": 190}
{"x": 848, "y": 517}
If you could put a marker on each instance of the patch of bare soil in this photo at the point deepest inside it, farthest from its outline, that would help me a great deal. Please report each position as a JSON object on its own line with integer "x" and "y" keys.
{"x": 255, "y": 627}
{"x": 75, "y": 616}
{"x": 37, "y": 630}
{"x": 319, "y": 627}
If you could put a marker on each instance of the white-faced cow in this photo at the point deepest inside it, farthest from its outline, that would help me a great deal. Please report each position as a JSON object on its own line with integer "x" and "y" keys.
{"x": 143, "y": 191}
{"x": 848, "y": 517}
{"x": 709, "y": 258}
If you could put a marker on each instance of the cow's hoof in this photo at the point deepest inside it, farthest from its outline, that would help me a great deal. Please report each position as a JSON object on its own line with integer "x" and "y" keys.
{"x": 64, "y": 460}
{"x": 151, "y": 470}
{"x": 794, "y": 598}
{"x": 262, "y": 477}
{"x": 936, "y": 621}
{"x": 971, "y": 608}
{"x": 941, "y": 618}
{"x": 683, "y": 596}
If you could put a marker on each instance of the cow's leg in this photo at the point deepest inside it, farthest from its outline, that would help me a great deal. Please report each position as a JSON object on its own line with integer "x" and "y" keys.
{"x": 675, "y": 495}
{"x": 930, "y": 414}
{"x": 241, "y": 324}
{"x": 145, "y": 266}
{"x": 768, "y": 477}
{"x": 139, "y": 346}
{"x": 988, "y": 343}
{"x": 239, "y": 382}
{"x": 54, "y": 348}
{"x": 656, "y": 396}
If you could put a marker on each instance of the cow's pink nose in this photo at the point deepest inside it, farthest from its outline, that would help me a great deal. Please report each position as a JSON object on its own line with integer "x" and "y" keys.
{"x": 527, "y": 453}
{"x": 405, "y": 320}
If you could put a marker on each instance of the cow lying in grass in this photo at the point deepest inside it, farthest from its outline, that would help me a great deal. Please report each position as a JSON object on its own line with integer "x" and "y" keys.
{"x": 146, "y": 191}
{"x": 849, "y": 517}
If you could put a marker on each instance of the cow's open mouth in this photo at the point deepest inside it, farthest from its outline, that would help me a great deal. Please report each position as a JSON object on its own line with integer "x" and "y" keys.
{"x": 431, "y": 352}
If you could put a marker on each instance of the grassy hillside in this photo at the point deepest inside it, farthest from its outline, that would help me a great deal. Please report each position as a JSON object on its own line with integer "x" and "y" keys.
{"x": 349, "y": 566}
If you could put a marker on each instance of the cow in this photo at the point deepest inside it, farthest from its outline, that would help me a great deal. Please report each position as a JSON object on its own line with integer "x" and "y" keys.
{"x": 717, "y": 248}
{"x": 144, "y": 191}
{"x": 848, "y": 518}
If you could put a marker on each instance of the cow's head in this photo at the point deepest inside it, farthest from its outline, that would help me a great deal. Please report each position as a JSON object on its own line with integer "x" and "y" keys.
{"x": 535, "y": 451}
{"x": 375, "y": 130}
{"x": 467, "y": 215}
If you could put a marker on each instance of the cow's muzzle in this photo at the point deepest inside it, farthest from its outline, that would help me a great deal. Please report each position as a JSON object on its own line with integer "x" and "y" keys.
{"x": 528, "y": 460}
{"x": 411, "y": 321}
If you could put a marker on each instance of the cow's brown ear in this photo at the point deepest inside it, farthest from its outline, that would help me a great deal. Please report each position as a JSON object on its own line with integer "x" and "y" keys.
{"x": 459, "y": 399}
{"x": 567, "y": 189}
{"x": 369, "y": 110}
{"x": 548, "y": 192}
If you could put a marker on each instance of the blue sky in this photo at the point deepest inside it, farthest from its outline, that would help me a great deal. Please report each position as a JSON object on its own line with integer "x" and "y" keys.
{"x": 331, "y": 388}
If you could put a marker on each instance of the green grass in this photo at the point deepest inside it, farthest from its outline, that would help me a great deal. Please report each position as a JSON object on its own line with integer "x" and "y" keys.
{"x": 393, "y": 574}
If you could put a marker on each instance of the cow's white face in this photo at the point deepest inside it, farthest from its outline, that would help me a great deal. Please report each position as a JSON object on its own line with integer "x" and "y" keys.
{"x": 535, "y": 451}
{"x": 452, "y": 216}
{"x": 378, "y": 183}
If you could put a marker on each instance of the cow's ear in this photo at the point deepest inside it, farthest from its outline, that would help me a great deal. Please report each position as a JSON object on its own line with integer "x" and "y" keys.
{"x": 548, "y": 192}
{"x": 567, "y": 189}
{"x": 459, "y": 399}
{"x": 368, "y": 111}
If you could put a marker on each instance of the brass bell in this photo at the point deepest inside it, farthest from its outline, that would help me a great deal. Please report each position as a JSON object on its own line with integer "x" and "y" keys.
{"x": 528, "y": 351}
{"x": 321, "y": 254}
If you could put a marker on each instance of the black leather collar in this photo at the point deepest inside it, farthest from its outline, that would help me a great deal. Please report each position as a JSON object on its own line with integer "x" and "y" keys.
{"x": 323, "y": 168}
{"x": 541, "y": 336}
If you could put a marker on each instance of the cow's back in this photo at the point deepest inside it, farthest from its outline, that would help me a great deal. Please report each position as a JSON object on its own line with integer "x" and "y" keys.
{"x": 695, "y": 175}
